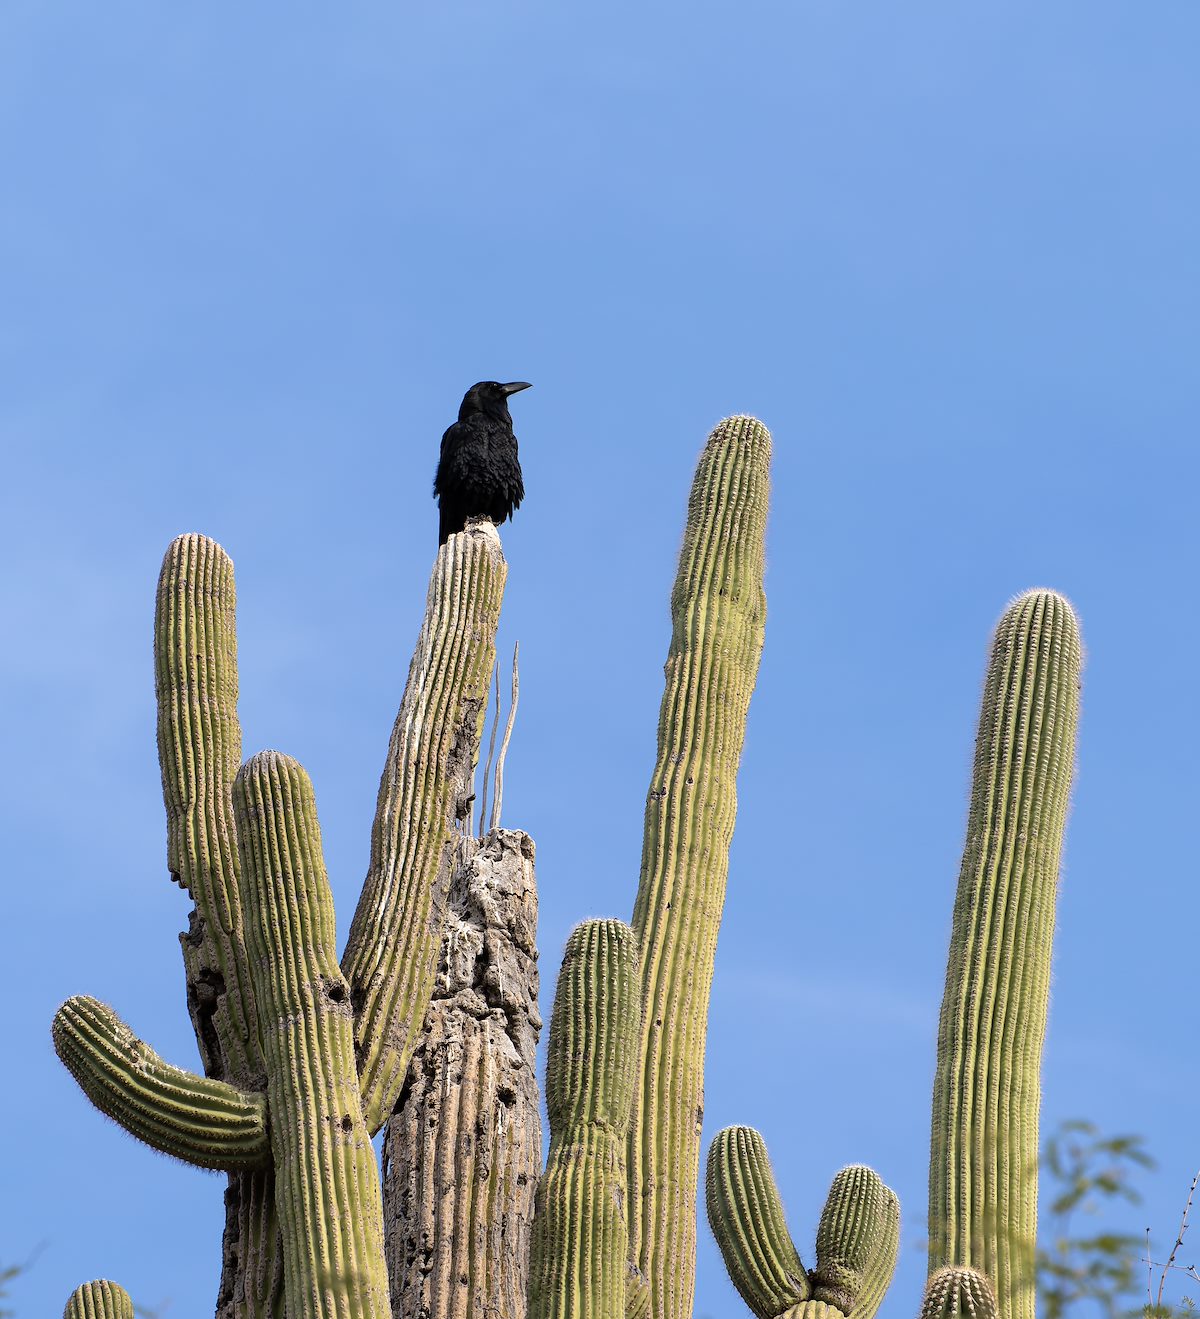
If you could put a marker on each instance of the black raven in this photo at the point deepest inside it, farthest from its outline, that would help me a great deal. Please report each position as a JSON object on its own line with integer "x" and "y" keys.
{"x": 478, "y": 474}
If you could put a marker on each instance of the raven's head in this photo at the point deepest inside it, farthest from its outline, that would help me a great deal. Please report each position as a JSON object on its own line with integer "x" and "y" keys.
{"x": 490, "y": 397}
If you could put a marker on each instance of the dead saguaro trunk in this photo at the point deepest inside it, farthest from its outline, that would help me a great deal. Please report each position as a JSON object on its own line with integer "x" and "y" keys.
{"x": 462, "y": 1151}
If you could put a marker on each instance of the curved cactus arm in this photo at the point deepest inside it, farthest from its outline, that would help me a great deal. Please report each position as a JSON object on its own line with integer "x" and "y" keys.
{"x": 199, "y": 749}
{"x": 882, "y": 1265}
{"x": 747, "y": 1219}
{"x": 959, "y": 1293}
{"x": 206, "y": 1123}
{"x": 850, "y": 1236}
{"x": 99, "y": 1300}
{"x": 391, "y": 954}
{"x": 717, "y": 611}
{"x": 984, "y": 1142}
{"x": 327, "y": 1190}
{"x": 579, "y": 1250}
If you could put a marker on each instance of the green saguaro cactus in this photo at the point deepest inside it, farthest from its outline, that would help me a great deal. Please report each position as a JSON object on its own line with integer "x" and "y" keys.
{"x": 987, "y": 1091}
{"x": 99, "y": 1300}
{"x": 302, "y": 1059}
{"x": 718, "y": 611}
{"x": 984, "y": 1142}
{"x": 579, "y": 1254}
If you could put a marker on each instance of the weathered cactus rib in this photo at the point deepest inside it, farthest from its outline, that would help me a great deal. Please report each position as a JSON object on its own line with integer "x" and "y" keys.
{"x": 203, "y": 1122}
{"x": 984, "y": 1142}
{"x": 463, "y": 1148}
{"x": 99, "y": 1300}
{"x": 718, "y": 611}
{"x": 327, "y": 1187}
{"x": 391, "y": 953}
{"x": 747, "y": 1219}
{"x": 579, "y": 1254}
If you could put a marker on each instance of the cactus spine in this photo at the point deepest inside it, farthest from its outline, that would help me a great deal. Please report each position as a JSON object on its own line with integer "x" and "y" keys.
{"x": 580, "y": 1252}
{"x": 986, "y": 1097}
{"x": 718, "y": 609}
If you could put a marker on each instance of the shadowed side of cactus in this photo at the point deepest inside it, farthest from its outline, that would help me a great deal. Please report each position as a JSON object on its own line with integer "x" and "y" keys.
{"x": 99, "y": 1300}
{"x": 326, "y": 1181}
{"x": 391, "y": 953}
{"x": 718, "y": 610}
{"x": 579, "y": 1256}
{"x": 986, "y": 1099}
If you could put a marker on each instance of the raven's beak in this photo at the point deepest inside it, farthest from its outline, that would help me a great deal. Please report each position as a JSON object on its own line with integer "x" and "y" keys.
{"x": 516, "y": 386}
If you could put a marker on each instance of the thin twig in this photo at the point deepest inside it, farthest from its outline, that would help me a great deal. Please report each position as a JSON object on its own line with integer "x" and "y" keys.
{"x": 508, "y": 728}
{"x": 487, "y": 769}
{"x": 1183, "y": 1227}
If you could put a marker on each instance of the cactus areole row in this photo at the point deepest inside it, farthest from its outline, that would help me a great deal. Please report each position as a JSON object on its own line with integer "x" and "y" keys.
{"x": 428, "y": 1021}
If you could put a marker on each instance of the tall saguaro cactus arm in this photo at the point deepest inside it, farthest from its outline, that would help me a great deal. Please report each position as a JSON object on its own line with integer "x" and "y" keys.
{"x": 391, "y": 954}
{"x": 718, "y": 610}
{"x": 984, "y": 1142}
{"x": 327, "y": 1185}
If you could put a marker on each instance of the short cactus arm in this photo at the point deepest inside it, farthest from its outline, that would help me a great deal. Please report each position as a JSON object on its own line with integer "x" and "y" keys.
{"x": 579, "y": 1253}
{"x": 203, "y": 1122}
{"x": 99, "y": 1300}
{"x": 717, "y": 610}
{"x": 851, "y": 1237}
{"x": 326, "y": 1179}
{"x": 391, "y": 954}
{"x": 984, "y": 1143}
{"x": 747, "y": 1219}
{"x": 878, "y": 1276}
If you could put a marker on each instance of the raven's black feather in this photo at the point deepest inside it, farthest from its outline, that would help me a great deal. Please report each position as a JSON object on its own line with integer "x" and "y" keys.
{"x": 478, "y": 474}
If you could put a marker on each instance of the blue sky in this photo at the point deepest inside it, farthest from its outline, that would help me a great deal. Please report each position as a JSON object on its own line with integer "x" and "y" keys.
{"x": 252, "y": 258}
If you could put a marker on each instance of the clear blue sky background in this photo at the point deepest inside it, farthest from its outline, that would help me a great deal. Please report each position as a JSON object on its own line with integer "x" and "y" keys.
{"x": 252, "y": 256}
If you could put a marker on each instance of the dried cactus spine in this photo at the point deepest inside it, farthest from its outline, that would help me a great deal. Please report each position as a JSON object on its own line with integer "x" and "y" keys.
{"x": 391, "y": 953}
{"x": 326, "y": 1181}
{"x": 203, "y": 1122}
{"x": 986, "y": 1098}
{"x": 99, "y": 1300}
{"x": 718, "y": 611}
{"x": 579, "y": 1253}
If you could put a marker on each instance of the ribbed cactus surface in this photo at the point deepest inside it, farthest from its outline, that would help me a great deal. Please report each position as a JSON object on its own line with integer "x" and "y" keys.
{"x": 718, "y": 610}
{"x": 204, "y": 1122}
{"x": 952, "y": 1293}
{"x": 984, "y": 1142}
{"x": 326, "y": 1179}
{"x": 99, "y": 1300}
{"x": 392, "y": 950}
{"x": 746, "y": 1215}
{"x": 579, "y": 1256}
